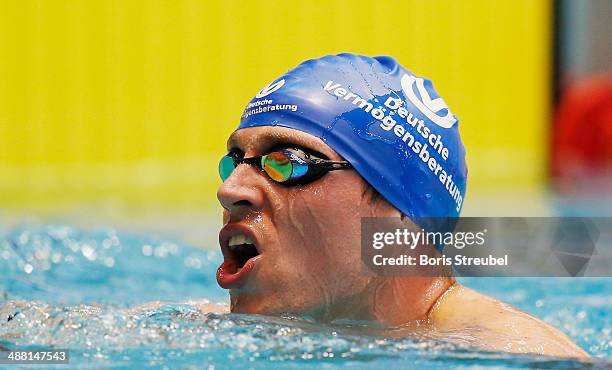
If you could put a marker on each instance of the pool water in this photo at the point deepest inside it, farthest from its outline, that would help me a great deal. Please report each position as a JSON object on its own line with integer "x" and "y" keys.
{"x": 66, "y": 288}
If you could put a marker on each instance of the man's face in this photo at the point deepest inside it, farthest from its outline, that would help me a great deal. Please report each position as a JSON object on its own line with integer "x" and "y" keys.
{"x": 305, "y": 256}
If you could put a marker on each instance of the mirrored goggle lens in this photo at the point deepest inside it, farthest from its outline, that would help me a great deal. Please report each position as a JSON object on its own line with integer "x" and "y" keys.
{"x": 226, "y": 167}
{"x": 278, "y": 166}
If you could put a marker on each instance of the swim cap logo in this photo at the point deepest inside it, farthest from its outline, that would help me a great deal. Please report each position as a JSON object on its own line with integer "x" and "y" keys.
{"x": 429, "y": 107}
{"x": 272, "y": 87}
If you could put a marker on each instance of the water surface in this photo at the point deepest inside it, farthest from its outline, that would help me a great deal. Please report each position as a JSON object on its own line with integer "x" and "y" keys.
{"x": 62, "y": 287}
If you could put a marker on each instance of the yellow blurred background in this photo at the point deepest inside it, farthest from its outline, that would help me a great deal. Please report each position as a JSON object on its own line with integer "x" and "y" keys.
{"x": 129, "y": 103}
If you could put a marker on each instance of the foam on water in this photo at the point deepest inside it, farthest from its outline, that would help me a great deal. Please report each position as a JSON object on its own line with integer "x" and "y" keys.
{"x": 87, "y": 292}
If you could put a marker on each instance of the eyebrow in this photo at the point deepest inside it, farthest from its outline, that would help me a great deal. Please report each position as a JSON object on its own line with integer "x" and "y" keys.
{"x": 272, "y": 142}
{"x": 284, "y": 144}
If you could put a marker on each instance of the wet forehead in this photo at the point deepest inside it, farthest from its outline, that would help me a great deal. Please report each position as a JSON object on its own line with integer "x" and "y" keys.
{"x": 258, "y": 140}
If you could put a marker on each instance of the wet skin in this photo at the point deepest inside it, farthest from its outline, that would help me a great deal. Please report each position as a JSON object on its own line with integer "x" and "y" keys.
{"x": 307, "y": 238}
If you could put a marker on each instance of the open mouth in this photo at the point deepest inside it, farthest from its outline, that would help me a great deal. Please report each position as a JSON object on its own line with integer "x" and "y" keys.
{"x": 241, "y": 250}
{"x": 240, "y": 254}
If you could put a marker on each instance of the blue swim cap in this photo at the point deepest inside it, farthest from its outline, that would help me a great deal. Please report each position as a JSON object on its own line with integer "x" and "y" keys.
{"x": 389, "y": 124}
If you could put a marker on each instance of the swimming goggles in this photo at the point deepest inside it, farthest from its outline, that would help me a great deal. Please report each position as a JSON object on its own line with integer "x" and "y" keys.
{"x": 286, "y": 166}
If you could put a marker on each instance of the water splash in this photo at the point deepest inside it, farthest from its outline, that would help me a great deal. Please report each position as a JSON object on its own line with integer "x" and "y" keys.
{"x": 73, "y": 297}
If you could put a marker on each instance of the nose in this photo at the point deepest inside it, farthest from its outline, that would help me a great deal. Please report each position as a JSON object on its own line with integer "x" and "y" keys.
{"x": 242, "y": 191}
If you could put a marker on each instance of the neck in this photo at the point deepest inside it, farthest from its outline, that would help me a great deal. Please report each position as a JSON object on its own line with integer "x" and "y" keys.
{"x": 401, "y": 300}
{"x": 393, "y": 301}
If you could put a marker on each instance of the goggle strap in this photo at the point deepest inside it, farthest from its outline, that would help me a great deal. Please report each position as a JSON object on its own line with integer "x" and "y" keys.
{"x": 332, "y": 165}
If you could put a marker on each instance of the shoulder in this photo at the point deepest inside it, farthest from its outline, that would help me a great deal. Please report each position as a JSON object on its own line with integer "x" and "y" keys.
{"x": 494, "y": 325}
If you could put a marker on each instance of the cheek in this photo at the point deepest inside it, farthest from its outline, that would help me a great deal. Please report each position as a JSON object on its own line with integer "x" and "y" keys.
{"x": 332, "y": 198}
{"x": 338, "y": 207}
{"x": 325, "y": 216}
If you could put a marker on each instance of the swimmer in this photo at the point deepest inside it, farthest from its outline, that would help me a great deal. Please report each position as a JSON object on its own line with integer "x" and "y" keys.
{"x": 336, "y": 139}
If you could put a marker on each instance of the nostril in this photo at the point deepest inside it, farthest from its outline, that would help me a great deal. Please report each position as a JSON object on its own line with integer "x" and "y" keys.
{"x": 242, "y": 203}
